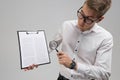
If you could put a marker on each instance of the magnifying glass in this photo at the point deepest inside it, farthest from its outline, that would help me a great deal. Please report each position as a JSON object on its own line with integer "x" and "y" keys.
{"x": 53, "y": 45}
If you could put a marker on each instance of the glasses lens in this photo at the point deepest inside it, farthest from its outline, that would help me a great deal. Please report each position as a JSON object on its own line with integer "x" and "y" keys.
{"x": 88, "y": 21}
{"x": 79, "y": 15}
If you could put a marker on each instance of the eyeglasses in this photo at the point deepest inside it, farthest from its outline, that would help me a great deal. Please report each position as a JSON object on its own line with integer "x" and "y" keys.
{"x": 87, "y": 19}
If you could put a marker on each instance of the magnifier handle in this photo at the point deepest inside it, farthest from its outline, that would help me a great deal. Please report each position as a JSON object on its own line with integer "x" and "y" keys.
{"x": 56, "y": 49}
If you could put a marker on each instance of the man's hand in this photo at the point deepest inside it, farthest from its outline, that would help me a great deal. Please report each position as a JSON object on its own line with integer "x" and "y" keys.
{"x": 31, "y": 67}
{"x": 64, "y": 59}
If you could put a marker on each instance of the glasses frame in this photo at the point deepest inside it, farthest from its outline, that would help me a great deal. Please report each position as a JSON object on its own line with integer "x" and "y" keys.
{"x": 86, "y": 18}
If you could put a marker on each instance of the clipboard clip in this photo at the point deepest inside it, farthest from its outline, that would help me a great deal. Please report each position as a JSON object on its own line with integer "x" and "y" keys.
{"x": 32, "y": 32}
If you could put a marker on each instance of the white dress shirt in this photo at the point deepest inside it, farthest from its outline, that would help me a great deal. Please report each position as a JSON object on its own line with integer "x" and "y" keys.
{"x": 92, "y": 51}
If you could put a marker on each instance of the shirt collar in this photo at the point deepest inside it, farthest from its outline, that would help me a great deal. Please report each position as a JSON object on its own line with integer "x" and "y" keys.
{"x": 93, "y": 29}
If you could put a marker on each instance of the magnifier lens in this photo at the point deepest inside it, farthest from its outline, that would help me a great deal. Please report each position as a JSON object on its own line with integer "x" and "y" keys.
{"x": 53, "y": 45}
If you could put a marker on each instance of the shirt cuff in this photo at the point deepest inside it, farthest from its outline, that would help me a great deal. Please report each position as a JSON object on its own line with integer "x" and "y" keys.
{"x": 82, "y": 68}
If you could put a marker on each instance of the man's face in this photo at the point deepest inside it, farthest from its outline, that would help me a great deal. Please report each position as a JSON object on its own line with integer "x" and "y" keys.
{"x": 86, "y": 18}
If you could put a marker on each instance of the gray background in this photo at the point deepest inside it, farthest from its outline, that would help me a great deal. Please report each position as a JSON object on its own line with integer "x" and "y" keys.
{"x": 48, "y": 15}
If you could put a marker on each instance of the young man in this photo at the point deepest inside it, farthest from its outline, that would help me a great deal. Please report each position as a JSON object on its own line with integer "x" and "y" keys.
{"x": 86, "y": 48}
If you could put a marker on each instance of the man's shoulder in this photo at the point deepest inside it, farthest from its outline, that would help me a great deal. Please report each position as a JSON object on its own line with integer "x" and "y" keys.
{"x": 104, "y": 32}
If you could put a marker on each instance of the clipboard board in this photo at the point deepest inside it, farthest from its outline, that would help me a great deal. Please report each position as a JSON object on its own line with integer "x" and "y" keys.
{"x": 33, "y": 48}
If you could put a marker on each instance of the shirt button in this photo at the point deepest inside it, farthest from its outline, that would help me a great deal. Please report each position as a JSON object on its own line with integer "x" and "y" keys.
{"x": 76, "y": 50}
{"x": 78, "y": 41}
{"x": 71, "y": 75}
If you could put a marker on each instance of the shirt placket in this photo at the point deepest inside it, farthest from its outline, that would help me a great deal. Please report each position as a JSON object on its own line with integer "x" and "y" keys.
{"x": 77, "y": 46}
{"x": 76, "y": 51}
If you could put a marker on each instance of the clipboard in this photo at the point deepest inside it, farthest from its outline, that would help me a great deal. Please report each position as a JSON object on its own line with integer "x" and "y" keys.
{"x": 33, "y": 48}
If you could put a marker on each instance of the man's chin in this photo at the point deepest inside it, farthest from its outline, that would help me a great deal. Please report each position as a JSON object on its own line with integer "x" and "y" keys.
{"x": 82, "y": 28}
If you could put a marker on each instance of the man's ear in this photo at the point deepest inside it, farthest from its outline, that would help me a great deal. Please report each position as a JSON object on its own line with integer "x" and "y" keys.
{"x": 100, "y": 19}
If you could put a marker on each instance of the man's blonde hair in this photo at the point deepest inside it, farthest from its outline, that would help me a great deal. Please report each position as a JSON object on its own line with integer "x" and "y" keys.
{"x": 100, "y": 6}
